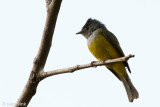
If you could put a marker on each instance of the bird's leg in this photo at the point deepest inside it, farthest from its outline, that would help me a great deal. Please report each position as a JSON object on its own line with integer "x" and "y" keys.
{"x": 104, "y": 60}
{"x": 92, "y": 63}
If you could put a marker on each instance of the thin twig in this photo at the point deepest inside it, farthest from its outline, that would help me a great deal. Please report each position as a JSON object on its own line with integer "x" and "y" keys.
{"x": 78, "y": 67}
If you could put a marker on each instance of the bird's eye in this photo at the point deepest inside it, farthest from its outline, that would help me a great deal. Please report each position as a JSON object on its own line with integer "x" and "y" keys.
{"x": 87, "y": 28}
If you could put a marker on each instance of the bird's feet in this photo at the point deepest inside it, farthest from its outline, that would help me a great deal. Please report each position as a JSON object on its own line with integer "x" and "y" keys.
{"x": 92, "y": 64}
{"x": 104, "y": 60}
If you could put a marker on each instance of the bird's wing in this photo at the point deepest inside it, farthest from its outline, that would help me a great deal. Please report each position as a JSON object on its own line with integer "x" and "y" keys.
{"x": 114, "y": 41}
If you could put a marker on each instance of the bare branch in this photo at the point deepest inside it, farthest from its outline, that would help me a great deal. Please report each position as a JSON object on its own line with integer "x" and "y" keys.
{"x": 78, "y": 67}
{"x": 40, "y": 60}
{"x": 48, "y": 3}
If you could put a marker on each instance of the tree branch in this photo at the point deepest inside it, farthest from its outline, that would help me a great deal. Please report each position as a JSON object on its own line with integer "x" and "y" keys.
{"x": 40, "y": 60}
{"x": 78, "y": 67}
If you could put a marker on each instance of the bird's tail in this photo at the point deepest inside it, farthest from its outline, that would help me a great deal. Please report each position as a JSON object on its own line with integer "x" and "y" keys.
{"x": 130, "y": 89}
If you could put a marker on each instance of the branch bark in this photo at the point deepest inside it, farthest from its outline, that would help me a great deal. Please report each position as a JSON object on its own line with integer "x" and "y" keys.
{"x": 40, "y": 60}
{"x": 79, "y": 67}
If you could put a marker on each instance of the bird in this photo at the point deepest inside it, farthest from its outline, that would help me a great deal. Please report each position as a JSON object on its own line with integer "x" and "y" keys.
{"x": 104, "y": 45}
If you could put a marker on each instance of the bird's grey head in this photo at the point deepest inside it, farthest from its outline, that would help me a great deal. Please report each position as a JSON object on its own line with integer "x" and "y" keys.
{"x": 90, "y": 26}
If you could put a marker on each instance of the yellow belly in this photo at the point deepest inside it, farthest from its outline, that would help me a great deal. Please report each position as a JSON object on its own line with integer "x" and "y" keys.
{"x": 103, "y": 50}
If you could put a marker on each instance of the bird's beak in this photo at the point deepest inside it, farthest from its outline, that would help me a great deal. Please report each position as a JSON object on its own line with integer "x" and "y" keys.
{"x": 79, "y": 32}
